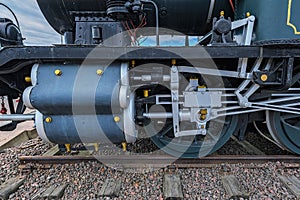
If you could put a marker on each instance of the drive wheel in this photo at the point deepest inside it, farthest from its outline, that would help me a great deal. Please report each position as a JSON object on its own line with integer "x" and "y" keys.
{"x": 197, "y": 146}
{"x": 285, "y": 127}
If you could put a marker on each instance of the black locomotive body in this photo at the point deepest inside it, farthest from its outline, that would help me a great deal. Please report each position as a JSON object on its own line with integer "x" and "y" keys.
{"x": 112, "y": 81}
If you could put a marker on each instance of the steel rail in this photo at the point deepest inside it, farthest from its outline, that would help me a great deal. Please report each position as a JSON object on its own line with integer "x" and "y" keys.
{"x": 144, "y": 161}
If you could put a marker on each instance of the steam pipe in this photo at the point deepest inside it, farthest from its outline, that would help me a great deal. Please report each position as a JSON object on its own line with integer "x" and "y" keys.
{"x": 156, "y": 16}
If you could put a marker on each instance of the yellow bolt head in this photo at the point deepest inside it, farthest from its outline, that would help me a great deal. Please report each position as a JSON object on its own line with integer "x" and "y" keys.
{"x": 264, "y": 77}
{"x": 203, "y": 117}
{"x": 58, "y": 72}
{"x": 117, "y": 119}
{"x": 96, "y": 146}
{"x": 248, "y": 14}
{"x": 48, "y": 120}
{"x": 146, "y": 93}
{"x": 133, "y": 63}
{"x": 173, "y": 62}
{"x": 68, "y": 147}
{"x": 203, "y": 112}
{"x": 202, "y": 126}
{"x": 27, "y": 79}
{"x": 201, "y": 86}
{"x": 99, "y": 72}
{"x": 124, "y": 146}
{"x": 222, "y": 13}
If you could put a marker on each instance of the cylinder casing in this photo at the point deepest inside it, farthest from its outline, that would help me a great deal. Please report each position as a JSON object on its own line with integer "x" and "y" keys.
{"x": 77, "y": 103}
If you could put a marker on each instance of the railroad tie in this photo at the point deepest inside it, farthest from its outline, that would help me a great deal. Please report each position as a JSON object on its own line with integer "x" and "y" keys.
{"x": 53, "y": 151}
{"x": 172, "y": 187}
{"x": 233, "y": 188}
{"x": 110, "y": 188}
{"x": 292, "y": 183}
{"x": 10, "y": 186}
{"x": 53, "y": 192}
{"x": 248, "y": 147}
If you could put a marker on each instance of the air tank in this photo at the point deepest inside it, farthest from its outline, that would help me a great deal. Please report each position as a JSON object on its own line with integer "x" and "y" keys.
{"x": 190, "y": 17}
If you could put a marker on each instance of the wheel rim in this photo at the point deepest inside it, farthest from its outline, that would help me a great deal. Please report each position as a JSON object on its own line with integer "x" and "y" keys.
{"x": 195, "y": 148}
{"x": 286, "y": 131}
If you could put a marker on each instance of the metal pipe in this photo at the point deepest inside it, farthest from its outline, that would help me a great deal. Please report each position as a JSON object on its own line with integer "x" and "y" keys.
{"x": 157, "y": 19}
{"x": 17, "y": 117}
{"x": 158, "y": 115}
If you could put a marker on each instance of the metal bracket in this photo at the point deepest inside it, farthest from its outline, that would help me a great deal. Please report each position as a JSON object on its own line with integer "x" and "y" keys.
{"x": 243, "y": 99}
{"x": 174, "y": 85}
{"x": 124, "y": 96}
{"x": 248, "y": 25}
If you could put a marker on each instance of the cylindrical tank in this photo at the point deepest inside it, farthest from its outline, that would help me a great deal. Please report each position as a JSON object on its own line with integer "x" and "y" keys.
{"x": 190, "y": 17}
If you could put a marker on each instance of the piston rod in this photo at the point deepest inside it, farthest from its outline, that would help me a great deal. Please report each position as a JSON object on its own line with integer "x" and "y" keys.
{"x": 17, "y": 117}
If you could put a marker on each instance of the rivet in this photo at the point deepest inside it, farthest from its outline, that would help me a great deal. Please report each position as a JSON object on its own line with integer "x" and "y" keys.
{"x": 248, "y": 14}
{"x": 58, "y": 72}
{"x": 48, "y": 120}
{"x": 117, "y": 119}
{"x": 99, "y": 72}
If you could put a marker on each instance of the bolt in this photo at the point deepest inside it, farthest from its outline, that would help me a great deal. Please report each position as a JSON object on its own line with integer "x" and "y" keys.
{"x": 58, "y": 72}
{"x": 99, "y": 72}
{"x": 264, "y": 77}
{"x": 146, "y": 93}
{"x": 133, "y": 63}
{"x": 173, "y": 62}
{"x": 48, "y": 120}
{"x": 203, "y": 112}
{"x": 222, "y": 13}
{"x": 27, "y": 79}
{"x": 117, "y": 119}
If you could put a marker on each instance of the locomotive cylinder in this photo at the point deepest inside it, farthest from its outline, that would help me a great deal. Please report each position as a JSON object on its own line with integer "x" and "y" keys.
{"x": 77, "y": 104}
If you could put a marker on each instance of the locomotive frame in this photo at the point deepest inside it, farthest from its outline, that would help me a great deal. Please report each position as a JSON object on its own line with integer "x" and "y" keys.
{"x": 260, "y": 81}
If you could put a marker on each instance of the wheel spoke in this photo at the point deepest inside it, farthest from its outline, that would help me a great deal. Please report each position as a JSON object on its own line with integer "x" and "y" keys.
{"x": 289, "y": 116}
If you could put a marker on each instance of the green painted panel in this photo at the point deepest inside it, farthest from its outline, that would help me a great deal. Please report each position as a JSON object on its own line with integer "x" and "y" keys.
{"x": 275, "y": 19}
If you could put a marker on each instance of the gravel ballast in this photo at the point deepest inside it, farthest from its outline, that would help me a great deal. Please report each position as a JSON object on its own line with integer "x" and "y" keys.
{"x": 86, "y": 179}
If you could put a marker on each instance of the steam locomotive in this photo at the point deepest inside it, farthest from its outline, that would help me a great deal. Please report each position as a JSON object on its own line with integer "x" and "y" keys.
{"x": 108, "y": 83}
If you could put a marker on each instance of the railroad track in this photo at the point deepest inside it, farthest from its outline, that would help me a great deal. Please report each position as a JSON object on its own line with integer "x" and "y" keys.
{"x": 157, "y": 161}
{"x": 174, "y": 178}
{"x": 173, "y": 184}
